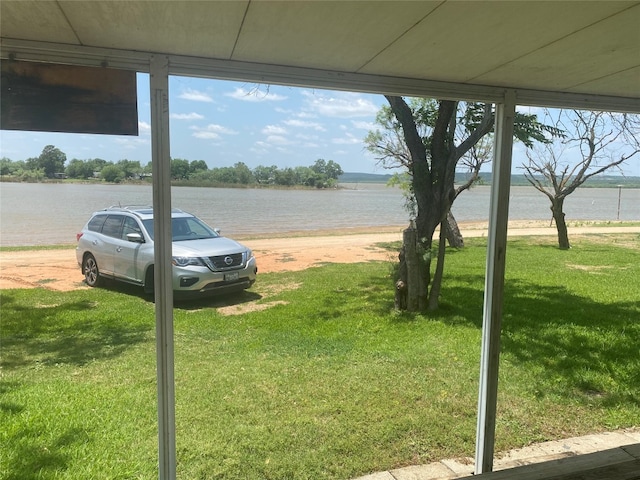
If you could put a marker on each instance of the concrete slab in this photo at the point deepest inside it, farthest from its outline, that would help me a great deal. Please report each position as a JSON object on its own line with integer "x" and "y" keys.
{"x": 460, "y": 466}
{"x": 377, "y": 476}
{"x": 622, "y": 445}
{"x": 432, "y": 471}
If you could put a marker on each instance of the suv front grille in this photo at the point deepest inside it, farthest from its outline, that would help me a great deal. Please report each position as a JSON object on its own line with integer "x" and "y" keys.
{"x": 227, "y": 262}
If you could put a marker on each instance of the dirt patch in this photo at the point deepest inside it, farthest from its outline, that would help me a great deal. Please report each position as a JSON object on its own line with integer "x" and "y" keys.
{"x": 58, "y": 269}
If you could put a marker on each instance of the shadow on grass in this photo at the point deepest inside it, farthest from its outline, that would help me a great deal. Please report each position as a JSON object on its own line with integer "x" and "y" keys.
{"x": 195, "y": 302}
{"x": 70, "y": 332}
{"x": 31, "y": 460}
{"x": 586, "y": 350}
{"x": 216, "y": 301}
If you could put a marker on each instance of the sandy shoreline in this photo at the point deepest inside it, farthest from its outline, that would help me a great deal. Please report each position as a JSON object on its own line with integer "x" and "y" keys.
{"x": 57, "y": 269}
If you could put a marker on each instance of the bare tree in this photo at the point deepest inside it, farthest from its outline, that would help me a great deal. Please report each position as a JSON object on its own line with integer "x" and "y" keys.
{"x": 594, "y": 143}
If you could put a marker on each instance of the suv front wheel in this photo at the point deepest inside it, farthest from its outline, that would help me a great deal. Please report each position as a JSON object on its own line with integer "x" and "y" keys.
{"x": 91, "y": 271}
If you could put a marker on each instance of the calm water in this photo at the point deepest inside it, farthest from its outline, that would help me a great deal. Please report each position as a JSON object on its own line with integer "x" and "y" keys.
{"x": 44, "y": 214}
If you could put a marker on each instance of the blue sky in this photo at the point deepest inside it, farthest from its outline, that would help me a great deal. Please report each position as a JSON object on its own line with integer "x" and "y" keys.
{"x": 224, "y": 122}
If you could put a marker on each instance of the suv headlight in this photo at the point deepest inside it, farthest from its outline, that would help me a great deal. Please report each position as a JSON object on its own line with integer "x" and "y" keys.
{"x": 186, "y": 261}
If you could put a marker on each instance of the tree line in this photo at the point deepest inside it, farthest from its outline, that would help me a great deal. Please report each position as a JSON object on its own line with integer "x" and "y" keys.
{"x": 51, "y": 164}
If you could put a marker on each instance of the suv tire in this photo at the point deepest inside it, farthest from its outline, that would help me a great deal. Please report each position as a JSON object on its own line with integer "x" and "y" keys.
{"x": 91, "y": 271}
{"x": 148, "y": 281}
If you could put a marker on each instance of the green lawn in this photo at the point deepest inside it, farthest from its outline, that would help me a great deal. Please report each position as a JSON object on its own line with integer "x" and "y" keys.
{"x": 329, "y": 382}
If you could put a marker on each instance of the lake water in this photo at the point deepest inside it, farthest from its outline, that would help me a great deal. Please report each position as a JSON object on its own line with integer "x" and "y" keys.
{"x": 46, "y": 214}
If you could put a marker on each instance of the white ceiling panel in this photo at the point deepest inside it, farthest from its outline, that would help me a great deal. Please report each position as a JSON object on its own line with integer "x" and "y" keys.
{"x": 319, "y": 34}
{"x": 601, "y": 50}
{"x": 616, "y": 85}
{"x": 183, "y": 28}
{"x": 480, "y": 47}
{"x": 35, "y": 20}
{"x": 462, "y": 40}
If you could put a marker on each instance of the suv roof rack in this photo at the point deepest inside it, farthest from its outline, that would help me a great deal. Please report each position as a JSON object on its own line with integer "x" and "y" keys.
{"x": 136, "y": 209}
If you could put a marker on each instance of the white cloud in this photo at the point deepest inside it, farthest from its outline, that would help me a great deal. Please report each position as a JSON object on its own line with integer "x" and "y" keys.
{"x": 259, "y": 151}
{"x": 195, "y": 96}
{"x": 345, "y": 105}
{"x": 348, "y": 139}
{"x": 274, "y": 130}
{"x": 362, "y": 125}
{"x": 278, "y": 140}
{"x": 303, "y": 124}
{"x": 212, "y": 131}
{"x": 206, "y": 135}
{"x": 144, "y": 127}
{"x": 254, "y": 95}
{"x": 130, "y": 143}
{"x": 187, "y": 116}
{"x": 303, "y": 136}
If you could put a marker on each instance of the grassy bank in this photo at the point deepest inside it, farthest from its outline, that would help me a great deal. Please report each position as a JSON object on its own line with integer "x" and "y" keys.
{"x": 320, "y": 378}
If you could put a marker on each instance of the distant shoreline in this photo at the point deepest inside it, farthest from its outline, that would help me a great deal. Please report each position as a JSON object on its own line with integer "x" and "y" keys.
{"x": 468, "y": 229}
{"x": 608, "y": 181}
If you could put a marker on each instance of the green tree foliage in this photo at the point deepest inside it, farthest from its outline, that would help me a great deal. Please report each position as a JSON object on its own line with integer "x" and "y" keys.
{"x": 265, "y": 175}
{"x": 198, "y": 166}
{"x": 130, "y": 169}
{"x": 80, "y": 169}
{"x": 112, "y": 173}
{"x": 327, "y": 173}
{"x": 179, "y": 169}
{"x": 51, "y": 161}
{"x": 322, "y": 174}
{"x": 429, "y": 139}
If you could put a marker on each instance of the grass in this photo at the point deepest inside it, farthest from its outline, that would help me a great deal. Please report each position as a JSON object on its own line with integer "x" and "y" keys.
{"x": 329, "y": 382}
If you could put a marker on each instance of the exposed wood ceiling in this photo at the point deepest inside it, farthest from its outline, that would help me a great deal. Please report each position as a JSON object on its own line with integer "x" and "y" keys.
{"x": 578, "y": 47}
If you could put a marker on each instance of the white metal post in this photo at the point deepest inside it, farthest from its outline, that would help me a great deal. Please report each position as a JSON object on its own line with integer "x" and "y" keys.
{"x": 494, "y": 284}
{"x": 161, "y": 168}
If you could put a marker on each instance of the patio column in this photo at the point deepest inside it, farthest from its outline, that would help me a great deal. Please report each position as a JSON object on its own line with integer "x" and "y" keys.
{"x": 494, "y": 283}
{"x": 161, "y": 169}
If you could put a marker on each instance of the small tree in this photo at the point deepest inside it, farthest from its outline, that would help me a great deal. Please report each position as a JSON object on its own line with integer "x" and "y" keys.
{"x": 429, "y": 138}
{"x": 198, "y": 166}
{"x": 327, "y": 172}
{"x": 595, "y": 142}
{"x": 179, "y": 169}
{"x": 79, "y": 169}
{"x": 52, "y": 161}
{"x": 112, "y": 173}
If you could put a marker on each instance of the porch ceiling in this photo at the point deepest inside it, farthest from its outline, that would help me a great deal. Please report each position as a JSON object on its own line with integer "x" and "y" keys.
{"x": 590, "y": 48}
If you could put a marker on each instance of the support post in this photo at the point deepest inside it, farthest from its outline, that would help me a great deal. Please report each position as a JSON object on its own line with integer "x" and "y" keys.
{"x": 494, "y": 284}
{"x": 161, "y": 168}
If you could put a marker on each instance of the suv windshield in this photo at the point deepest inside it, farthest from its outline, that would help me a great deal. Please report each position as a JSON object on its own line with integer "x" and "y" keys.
{"x": 184, "y": 228}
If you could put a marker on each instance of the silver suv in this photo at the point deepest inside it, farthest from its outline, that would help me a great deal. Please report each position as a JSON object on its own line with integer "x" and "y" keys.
{"x": 117, "y": 243}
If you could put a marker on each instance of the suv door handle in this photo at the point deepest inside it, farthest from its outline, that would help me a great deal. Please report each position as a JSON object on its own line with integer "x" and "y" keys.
{"x": 119, "y": 249}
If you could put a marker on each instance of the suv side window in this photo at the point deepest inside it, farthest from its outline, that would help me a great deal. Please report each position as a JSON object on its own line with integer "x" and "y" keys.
{"x": 95, "y": 224}
{"x": 130, "y": 226}
{"x": 113, "y": 226}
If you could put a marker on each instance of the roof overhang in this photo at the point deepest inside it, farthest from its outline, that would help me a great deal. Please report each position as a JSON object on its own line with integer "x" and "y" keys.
{"x": 577, "y": 54}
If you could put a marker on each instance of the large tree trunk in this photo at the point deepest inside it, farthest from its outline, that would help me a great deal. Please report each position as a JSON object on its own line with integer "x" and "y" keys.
{"x": 411, "y": 287}
{"x": 454, "y": 237}
{"x": 561, "y": 225}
